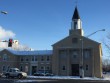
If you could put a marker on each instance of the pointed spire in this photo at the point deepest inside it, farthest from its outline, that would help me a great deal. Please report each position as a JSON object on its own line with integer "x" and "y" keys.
{"x": 76, "y": 14}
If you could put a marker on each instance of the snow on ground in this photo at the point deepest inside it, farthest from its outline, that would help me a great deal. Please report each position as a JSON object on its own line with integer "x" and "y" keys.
{"x": 107, "y": 76}
{"x": 49, "y": 78}
{"x": 25, "y": 80}
{"x": 63, "y": 77}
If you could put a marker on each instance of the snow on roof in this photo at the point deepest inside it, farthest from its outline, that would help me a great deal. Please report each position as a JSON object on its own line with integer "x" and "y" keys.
{"x": 36, "y": 52}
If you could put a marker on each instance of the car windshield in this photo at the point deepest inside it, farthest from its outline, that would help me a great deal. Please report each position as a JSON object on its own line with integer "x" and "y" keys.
{"x": 16, "y": 70}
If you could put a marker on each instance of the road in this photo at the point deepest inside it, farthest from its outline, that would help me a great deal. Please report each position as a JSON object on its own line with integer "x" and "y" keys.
{"x": 51, "y": 81}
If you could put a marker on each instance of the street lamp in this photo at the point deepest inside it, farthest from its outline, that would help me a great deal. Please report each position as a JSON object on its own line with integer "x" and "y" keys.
{"x": 95, "y": 32}
{"x": 82, "y": 46}
{"x": 4, "y": 12}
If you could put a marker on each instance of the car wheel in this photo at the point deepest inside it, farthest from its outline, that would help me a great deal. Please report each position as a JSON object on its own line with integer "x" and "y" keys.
{"x": 20, "y": 76}
{"x": 7, "y": 75}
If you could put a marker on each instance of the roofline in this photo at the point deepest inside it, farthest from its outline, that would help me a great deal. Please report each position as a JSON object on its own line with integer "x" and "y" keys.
{"x": 38, "y": 52}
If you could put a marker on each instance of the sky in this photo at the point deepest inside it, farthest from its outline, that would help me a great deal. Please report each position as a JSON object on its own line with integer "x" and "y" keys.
{"x": 39, "y": 24}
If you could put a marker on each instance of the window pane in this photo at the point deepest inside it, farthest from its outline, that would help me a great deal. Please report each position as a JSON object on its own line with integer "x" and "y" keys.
{"x": 74, "y": 40}
{"x": 36, "y": 58}
{"x": 63, "y": 68}
{"x": 32, "y": 58}
{"x": 21, "y": 58}
{"x": 21, "y": 68}
{"x": 63, "y": 53}
{"x": 86, "y": 67}
{"x": 48, "y": 58}
{"x": 48, "y": 68}
{"x": 5, "y": 57}
{"x": 27, "y": 59}
{"x": 42, "y": 68}
{"x": 4, "y": 68}
{"x": 87, "y": 54}
{"x": 42, "y": 58}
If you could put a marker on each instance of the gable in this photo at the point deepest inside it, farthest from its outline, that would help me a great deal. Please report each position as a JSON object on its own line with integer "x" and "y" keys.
{"x": 75, "y": 41}
{"x": 5, "y": 51}
{"x": 5, "y": 55}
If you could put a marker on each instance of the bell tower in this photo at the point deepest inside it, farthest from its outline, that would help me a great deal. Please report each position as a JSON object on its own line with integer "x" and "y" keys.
{"x": 76, "y": 24}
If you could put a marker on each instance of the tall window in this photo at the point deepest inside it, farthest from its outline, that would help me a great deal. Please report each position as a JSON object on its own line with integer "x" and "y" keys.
{"x": 42, "y": 58}
{"x": 4, "y": 68}
{"x": 63, "y": 68}
{"x": 27, "y": 59}
{"x": 75, "y": 25}
{"x": 75, "y": 54}
{"x": 21, "y": 68}
{"x": 5, "y": 57}
{"x": 87, "y": 54}
{"x": 47, "y": 67}
{"x": 32, "y": 58}
{"x": 86, "y": 67}
{"x": 42, "y": 68}
{"x": 21, "y": 59}
{"x": 63, "y": 54}
{"x": 48, "y": 58}
{"x": 8, "y": 68}
{"x": 35, "y": 58}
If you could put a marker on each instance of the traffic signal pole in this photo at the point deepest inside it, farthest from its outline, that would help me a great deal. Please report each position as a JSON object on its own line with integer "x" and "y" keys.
{"x": 10, "y": 42}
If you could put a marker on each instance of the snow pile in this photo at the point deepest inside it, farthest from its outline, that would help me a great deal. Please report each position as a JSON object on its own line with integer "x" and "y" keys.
{"x": 25, "y": 81}
{"x": 53, "y": 78}
{"x": 107, "y": 76}
{"x": 63, "y": 77}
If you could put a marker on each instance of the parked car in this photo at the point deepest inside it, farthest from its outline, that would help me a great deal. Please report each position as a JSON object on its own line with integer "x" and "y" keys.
{"x": 40, "y": 73}
{"x": 49, "y": 74}
{"x": 15, "y": 72}
{"x": 104, "y": 72}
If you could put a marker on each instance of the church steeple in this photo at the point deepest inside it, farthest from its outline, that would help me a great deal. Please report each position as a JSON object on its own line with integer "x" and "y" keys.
{"x": 76, "y": 24}
{"x": 76, "y": 14}
{"x": 76, "y": 21}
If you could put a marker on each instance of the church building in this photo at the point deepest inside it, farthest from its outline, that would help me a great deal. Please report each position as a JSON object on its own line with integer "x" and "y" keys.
{"x": 76, "y": 52}
{"x": 74, "y": 55}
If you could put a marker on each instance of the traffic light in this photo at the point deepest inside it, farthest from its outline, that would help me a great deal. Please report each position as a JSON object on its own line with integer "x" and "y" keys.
{"x": 10, "y": 42}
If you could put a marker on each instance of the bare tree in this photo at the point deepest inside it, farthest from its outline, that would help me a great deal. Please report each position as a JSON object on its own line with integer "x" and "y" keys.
{"x": 106, "y": 61}
{"x": 106, "y": 43}
{"x": 106, "y": 65}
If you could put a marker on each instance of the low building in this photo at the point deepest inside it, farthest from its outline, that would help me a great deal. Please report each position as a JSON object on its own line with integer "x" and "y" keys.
{"x": 27, "y": 61}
